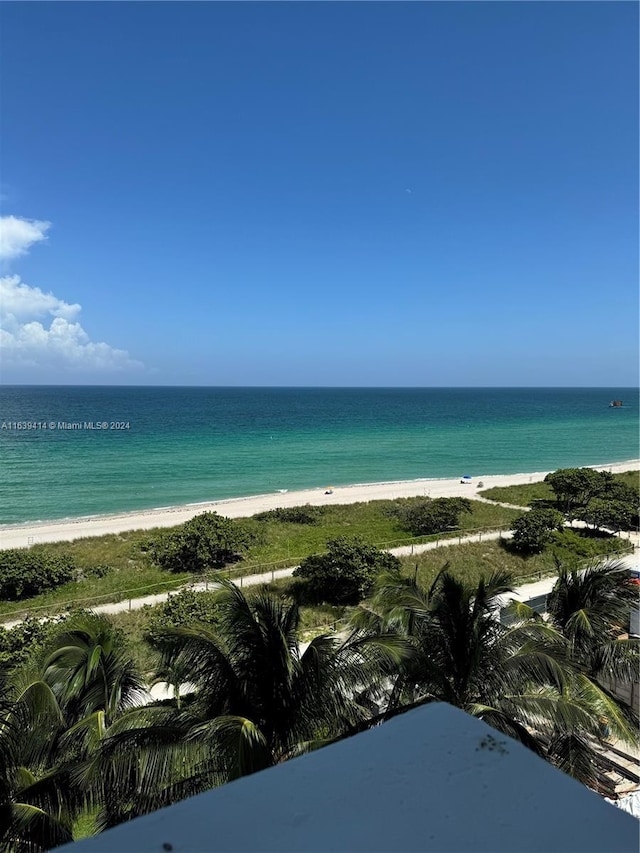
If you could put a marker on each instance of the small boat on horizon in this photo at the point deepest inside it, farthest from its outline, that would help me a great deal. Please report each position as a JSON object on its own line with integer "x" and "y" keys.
{"x": 615, "y": 404}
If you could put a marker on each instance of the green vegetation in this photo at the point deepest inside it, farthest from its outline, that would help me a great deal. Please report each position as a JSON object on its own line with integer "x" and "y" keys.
{"x": 585, "y": 606}
{"x": 293, "y": 515}
{"x": 133, "y": 581}
{"x": 473, "y": 561}
{"x": 523, "y": 679}
{"x": 425, "y": 634}
{"x": 528, "y": 494}
{"x": 17, "y": 643}
{"x": 533, "y": 530}
{"x": 523, "y": 495}
{"x": 27, "y": 572}
{"x": 614, "y": 515}
{"x": 424, "y": 516}
{"x": 118, "y": 566}
{"x": 345, "y": 573}
{"x": 207, "y": 541}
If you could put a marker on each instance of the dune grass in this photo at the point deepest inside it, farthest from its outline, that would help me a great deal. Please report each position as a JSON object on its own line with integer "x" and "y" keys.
{"x": 470, "y": 562}
{"x": 135, "y": 581}
{"x": 127, "y": 570}
{"x": 372, "y": 521}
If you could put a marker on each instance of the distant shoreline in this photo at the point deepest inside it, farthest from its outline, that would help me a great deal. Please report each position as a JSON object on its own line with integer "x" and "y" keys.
{"x": 66, "y": 530}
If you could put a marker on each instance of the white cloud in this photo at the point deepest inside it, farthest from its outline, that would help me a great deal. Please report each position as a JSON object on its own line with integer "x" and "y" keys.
{"x": 19, "y": 300}
{"x": 56, "y": 343}
{"x": 17, "y": 235}
{"x": 39, "y": 331}
{"x": 63, "y": 345}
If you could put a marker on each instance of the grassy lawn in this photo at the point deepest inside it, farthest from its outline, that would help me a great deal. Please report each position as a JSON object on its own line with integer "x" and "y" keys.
{"x": 527, "y": 493}
{"x": 523, "y": 495}
{"x": 130, "y": 574}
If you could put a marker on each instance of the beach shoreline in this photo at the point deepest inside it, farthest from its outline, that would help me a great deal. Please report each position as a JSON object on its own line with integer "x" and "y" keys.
{"x": 66, "y": 530}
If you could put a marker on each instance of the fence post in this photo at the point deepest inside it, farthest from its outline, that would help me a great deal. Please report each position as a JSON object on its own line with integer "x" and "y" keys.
{"x": 129, "y": 605}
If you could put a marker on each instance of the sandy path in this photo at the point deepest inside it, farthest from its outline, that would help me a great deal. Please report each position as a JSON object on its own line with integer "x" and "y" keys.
{"x": 23, "y": 535}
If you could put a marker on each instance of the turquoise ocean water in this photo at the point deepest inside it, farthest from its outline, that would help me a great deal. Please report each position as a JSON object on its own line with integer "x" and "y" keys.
{"x": 185, "y": 445}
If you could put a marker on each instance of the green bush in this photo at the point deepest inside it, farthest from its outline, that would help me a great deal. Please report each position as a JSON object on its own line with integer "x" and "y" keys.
{"x": 207, "y": 541}
{"x": 181, "y": 610}
{"x": 99, "y": 571}
{"x": 17, "y": 643}
{"x": 533, "y": 530}
{"x": 571, "y": 546}
{"x": 425, "y": 516}
{"x": 27, "y": 572}
{"x": 293, "y": 515}
{"x": 615, "y": 515}
{"x": 575, "y": 487}
{"x": 346, "y": 572}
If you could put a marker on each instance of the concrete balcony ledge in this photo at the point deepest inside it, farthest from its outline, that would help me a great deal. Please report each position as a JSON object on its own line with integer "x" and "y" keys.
{"x": 433, "y": 780}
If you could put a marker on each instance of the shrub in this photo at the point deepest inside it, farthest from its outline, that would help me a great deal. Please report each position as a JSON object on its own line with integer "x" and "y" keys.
{"x": 28, "y": 572}
{"x": 180, "y": 610}
{"x": 533, "y": 530}
{"x": 571, "y": 546}
{"x": 346, "y": 572}
{"x": 293, "y": 515}
{"x": 99, "y": 571}
{"x": 433, "y": 516}
{"x": 207, "y": 541}
{"x": 17, "y": 643}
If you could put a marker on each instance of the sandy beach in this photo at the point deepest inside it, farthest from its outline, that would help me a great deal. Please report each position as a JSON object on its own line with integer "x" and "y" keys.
{"x": 66, "y": 530}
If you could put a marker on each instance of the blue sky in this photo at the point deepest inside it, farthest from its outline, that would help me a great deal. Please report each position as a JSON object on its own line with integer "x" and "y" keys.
{"x": 320, "y": 193}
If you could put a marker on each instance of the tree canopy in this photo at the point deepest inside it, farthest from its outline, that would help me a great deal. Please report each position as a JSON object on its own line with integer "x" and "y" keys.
{"x": 427, "y": 516}
{"x": 207, "y": 541}
{"x": 533, "y": 530}
{"x": 346, "y": 572}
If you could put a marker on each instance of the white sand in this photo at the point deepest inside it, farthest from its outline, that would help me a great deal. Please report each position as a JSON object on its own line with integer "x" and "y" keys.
{"x": 66, "y": 530}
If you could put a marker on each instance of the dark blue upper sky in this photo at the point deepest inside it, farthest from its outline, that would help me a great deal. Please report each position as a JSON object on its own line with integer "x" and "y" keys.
{"x": 321, "y": 193}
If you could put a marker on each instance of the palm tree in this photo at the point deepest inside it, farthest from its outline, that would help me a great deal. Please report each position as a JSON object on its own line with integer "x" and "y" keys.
{"x": 518, "y": 678}
{"x": 38, "y": 800}
{"x": 88, "y": 669}
{"x": 257, "y": 700}
{"x": 57, "y": 711}
{"x": 591, "y": 608}
{"x": 252, "y": 683}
